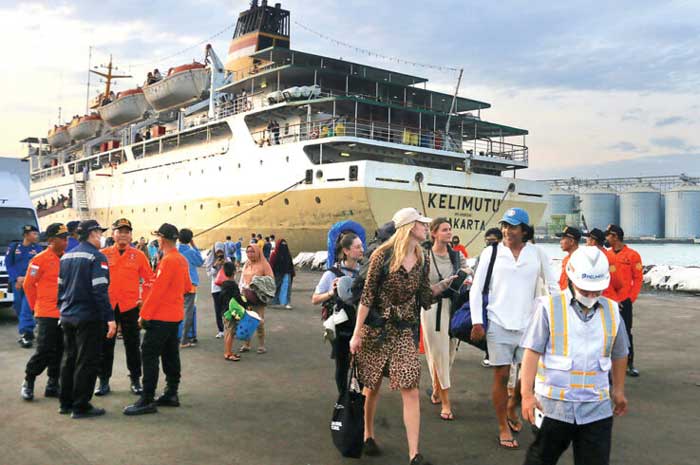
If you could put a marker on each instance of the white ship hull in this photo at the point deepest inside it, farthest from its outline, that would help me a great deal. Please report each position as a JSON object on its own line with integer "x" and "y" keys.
{"x": 178, "y": 90}
{"x": 199, "y": 186}
{"x": 124, "y": 110}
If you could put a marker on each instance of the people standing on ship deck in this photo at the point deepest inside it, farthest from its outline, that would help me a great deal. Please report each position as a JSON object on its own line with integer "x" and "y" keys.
{"x": 255, "y": 266}
{"x": 283, "y": 269}
{"x": 17, "y": 260}
{"x": 570, "y": 238}
{"x": 128, "y": 266}
{"x": 41, "y": 291}
{"x": 214, "y": 263}
{"x": 387, "y": 327}
{"x": 435, "y": 322}
{"x": 349, "y": 252}
{"x": 573, "y": 345}
{"x": 194, "y": 259}
{"x": 83, "y": 298}
{"x": 161, "y": 314}
{"x": 627, "y": 275}
{"x": 512, "y": 291}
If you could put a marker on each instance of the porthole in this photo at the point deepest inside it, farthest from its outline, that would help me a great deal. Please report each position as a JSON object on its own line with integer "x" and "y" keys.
{"x": 201, "y": 206}
{"x": 132, "y": 210}
{"x": 239, "y": 165}
{"x": 238, "y": 203}
{"x": 144, "y": 211}
{"x": 287, "y": 158}
{"x": 318, "y": 199}
{"x": 184, "y": 207}
{"x": 167, "y": 176}
{"x": 170, "y": 208}
{"x": 156, "y": 209}
{"x": 286, "y": 201}
{"x": 261, "y": 162}
{"x": 202, "y": 171}
{"x": 218, "y": 205}
{"x": 319, "y": 174}
{"x": 219, "y": 168}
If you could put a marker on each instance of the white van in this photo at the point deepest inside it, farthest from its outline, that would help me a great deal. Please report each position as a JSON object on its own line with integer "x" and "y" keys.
{"x": 16, "y": 210}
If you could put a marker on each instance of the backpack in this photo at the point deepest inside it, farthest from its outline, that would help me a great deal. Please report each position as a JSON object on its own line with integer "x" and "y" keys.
{"x": 381, "y": 236}
{"x": 335, "y": 304}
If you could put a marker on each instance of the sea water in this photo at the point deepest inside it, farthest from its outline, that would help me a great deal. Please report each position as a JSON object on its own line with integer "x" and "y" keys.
{"x": 652, "y": 254}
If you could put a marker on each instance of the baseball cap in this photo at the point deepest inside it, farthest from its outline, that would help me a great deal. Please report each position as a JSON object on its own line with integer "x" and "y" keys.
{"x": 56, "y": 230}
{"x": 167, "y": 231}
{"x": 122, "y": 223}
{"x": 615, "y": 229}
{"x": 516, "y": 216}
{"x": 87, "y": 226}
{"x": 407, "y": 216}
{"x": 597, "y": 235}
{"x": 570, "y": 231}
{"x": 72, "y": 225}
{"x": 27, "y": 228}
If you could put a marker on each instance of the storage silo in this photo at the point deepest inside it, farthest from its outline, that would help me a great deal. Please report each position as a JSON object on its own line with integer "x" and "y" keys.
{"x": 683, "y": 212}
{"x": 599, "y": 207}
{"x": 560, "y": 205}
{"x": 641, "y": 212}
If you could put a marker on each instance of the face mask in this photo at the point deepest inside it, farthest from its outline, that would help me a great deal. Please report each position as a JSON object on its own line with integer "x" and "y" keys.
{"x": 587, "y": 302}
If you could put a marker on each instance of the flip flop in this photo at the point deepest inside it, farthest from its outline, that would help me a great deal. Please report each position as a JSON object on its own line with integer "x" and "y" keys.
{"x": 261, "y": 350}
{"x": 243, "y": 349}
{"x": 429, "y": 391}
{"x": 447, "y": 416}
{"x": 513, "y": 445}
{"x": 515, "y": 425}
{"x": 232, "y": 358}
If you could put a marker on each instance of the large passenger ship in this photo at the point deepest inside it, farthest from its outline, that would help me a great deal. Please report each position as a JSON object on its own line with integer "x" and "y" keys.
{"x": 275, "y": 140}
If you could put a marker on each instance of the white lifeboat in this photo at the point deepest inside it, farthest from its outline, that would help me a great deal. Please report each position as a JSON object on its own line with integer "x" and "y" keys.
{"x": 85, "y": 127}
{"x": 183, "y": 85}
{"x": 129, "y": 106}
{"x": 58, "y": 136}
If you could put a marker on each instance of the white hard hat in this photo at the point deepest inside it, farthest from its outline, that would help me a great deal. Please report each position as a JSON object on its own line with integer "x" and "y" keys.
{"x": 588, "y": 269}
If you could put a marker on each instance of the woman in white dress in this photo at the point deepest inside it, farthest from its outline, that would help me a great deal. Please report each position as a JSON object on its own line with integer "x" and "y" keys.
{"x": 439, "y": 346}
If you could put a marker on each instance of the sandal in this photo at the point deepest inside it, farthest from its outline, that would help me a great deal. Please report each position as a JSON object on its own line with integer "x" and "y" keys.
{"x": 447, "y": 416}
{"x": 261, "y": 350}
{"x": 514, "y": 424}
{"x": 243, "y": 349}
{"x": 503, "y": 443}
{"x": 232, "y": 358}
{"x": 432, "y": 399}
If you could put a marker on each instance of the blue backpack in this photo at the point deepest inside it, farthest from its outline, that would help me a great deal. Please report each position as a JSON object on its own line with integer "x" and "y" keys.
{"x": 461, "y": 322}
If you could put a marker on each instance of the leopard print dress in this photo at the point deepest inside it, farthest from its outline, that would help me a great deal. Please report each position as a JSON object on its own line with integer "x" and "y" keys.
{"x": 393, "y": 353}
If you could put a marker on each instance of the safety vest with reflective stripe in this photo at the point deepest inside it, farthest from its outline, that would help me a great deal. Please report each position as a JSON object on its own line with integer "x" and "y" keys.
{"x": 576, "y": 362}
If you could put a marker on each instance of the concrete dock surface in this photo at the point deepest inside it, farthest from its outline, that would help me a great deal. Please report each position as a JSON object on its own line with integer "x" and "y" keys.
{"x": 274, "y": 409}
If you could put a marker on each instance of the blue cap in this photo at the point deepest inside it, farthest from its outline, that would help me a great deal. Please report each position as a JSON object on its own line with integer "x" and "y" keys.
{"x": 516, "y": 216}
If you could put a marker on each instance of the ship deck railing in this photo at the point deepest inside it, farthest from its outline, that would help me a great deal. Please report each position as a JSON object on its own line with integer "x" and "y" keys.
{"x": 477, "y": 149}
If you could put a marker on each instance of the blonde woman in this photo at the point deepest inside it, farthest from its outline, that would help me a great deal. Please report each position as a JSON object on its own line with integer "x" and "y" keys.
{"x": 439, "y": 346}
{"x": 256, "y": 265}
{"x": 384, "y": 339}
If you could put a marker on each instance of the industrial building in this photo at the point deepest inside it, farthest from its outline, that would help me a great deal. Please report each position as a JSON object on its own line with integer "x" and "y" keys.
{"x": 650, "y": 207}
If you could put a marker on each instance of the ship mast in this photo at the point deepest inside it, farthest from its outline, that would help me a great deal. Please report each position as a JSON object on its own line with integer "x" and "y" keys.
{"x": 109, "y": 76}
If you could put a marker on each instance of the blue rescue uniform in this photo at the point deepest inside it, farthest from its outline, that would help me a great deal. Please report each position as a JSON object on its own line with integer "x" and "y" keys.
{"x": 17, "y": 261}
{"x": 83, "y": 284}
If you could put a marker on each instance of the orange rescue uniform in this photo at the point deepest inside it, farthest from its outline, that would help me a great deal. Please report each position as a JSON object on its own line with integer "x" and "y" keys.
{"x": 41, "y": 284}
{"x": 625, "y": 274}
{"x": 166, "y": 299}
{"x": 564, "y": 279}
{"x": 125, "y": 271}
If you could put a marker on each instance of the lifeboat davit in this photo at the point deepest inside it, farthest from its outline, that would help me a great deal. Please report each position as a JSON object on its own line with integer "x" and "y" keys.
{"x": 58, "y": 136}
{"x": 129, "y": 106}
{"x": 85, "y": 127}
{"x": 183, "y": 85}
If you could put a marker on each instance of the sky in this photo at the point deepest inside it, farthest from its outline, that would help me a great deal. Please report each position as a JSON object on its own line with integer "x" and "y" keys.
{"x": 606, "y": 89}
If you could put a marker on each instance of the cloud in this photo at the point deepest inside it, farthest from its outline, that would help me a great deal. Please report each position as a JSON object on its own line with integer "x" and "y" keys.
{"x": 671, "y": 120}
{"x": 633, "y": 114}
{"x": 675, "y": 143}
{"x": 624, "y": 146}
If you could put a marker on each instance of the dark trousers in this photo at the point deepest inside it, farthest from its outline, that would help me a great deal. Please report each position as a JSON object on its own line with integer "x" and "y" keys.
{"x": 160, "y": 342}
{"x": 341, "y": 354}
{"x": 131, "y": 336}
{"x": 591, "y": 442}
{"x": 49, "y": 349}
{"x": 626, "y": 314}
{"x": 218, "y": 310}
{"x": 82, "y": 343}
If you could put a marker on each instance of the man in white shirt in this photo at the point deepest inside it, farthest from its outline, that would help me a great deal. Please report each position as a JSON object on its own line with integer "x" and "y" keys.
{"x": 511, "y": 297}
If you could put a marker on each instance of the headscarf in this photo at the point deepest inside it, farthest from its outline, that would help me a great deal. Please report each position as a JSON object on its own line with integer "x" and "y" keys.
{"x": 218, "y": 246}
{"x": 281, "y": 258}
{"x": 257, "y": 266}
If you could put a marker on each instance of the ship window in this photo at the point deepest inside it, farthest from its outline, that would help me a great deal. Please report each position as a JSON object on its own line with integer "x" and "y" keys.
{"x": 202, "y": 171}
{"x": 170, "y": 208}
{"x": 143, "y": 211}
{"x": 219, "y": 168}
{"x": 238, "y": 203}
{"x": 353, "y": 173}
{"x": 318, "y": 199}
{"x": 201, "y": 206}
{"x": 132, "y": 210}
{"x": 156, "y": 209}
{"x": 184, "y": 207}
{"x": 286, "y": 201}
{"x": 218, "y": 205}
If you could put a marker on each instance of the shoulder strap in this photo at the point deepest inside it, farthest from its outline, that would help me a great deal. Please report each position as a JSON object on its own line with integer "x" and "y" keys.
{"x": 489, "y": 271}
{"x": 337, "y": 271}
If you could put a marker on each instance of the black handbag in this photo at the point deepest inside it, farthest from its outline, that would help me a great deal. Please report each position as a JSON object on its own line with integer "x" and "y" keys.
{"x": 348, "y": 421}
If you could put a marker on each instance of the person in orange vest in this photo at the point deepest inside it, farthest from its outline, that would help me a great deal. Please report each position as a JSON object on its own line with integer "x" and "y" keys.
{"x": 596, "y": 238}
{"x": 161, "y": 314}
{"x": 127, "y": 267}
{"x": 570, "y": 238}
{"x": 626, "y": 269}
{"x": 41, "y": 290}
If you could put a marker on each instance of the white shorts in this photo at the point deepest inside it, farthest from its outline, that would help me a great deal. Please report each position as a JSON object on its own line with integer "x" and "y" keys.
{"x": 503, "y": 345}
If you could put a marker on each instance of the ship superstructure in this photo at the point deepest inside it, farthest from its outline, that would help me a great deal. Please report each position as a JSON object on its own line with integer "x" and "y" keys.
{"x": 287, "y": 142}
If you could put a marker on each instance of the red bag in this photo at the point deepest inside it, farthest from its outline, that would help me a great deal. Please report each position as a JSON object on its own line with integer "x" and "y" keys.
{"x": 220, "y": 277}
